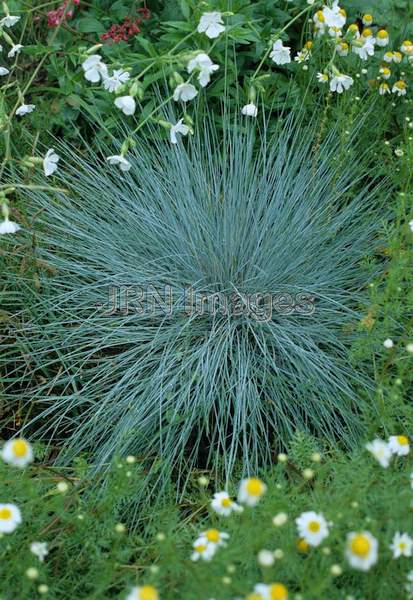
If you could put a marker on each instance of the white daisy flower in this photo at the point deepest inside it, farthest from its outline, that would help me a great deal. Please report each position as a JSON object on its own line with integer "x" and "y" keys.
{"x": 17, "y": 452}
{"x": 399, "y": 445}
{"x": 273, "y": 591}
{"x": 10, "y": 518}
{"x": 214, "y": 537}
{"x": 15, "y": 49}
{"x": 144, "y": 592}
{"x": 179, "y": 127}
{"x": 399, "y": 88}
{"x": 322, "y": 77}
{"x": 117, "y": 159}
{"x": 382, "y": 38}
{"x": 250, "y": 110}
{"x": 402, "y": 545}
{"x": 116, "y": 80}
{"x": 184, "y": 92}
{"x": 334, "y": 16}
{"x": 7, "y": 226}
{"x": 251, "y": 490}
{"x": 126, "y": 104}
{"x": 203, "y": 550}
{"x": 312, "y": 527}
{"x": 39, "y": 549}
{"x": 94, "y": 68}
{"x": 407, "y": 47}
{"x": 50, "y": 162}
{"x": 9, "y": 21}
{"x": 361, "y": 550}
{"x": 335, "y": 32}
{"x": 340, "y": 82}
{"x": 367, "y": 19}
{"x": 384, "y": 89}
{"x": 342, "y": 48}
{"x": 381, "y": 452}
{"x": 211, "y": 24}
{"x": 280, "y": 54}
{"x": 223, "y": 505}
{"x": 265, "y": 558}
{"x": 24, "y": 109}
{"x": 206, "y": 67}
{"x": 4, "y": 71}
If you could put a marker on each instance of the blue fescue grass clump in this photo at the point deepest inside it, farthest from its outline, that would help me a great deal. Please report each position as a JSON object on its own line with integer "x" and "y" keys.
{"x": 286, "y": 213}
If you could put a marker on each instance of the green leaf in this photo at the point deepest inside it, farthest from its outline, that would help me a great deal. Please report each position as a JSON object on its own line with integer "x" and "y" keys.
{"x": 90, "y": 25}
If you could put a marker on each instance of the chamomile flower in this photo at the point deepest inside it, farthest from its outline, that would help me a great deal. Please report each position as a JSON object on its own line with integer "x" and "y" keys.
{"x": 302, "y": 56}
{"x": 399, "y": 445}
{"x": 17, "y": 452}
{"x": 384, "y": 89}
{"x": 367, "y": 20}
{"x": 202, "y": 550}
{"x": 407, "y": 47}
{"x": 204, "y": 65}
{"x": 119, "y": 160}
{"x": 342, "y": 48}
{"x": 340, "y": 82}
{"x": 385, "y": 72}
{"x": 402, "y": 545}
{"x": 273, "y": 591}
{"x": 214, "y": 537}
{"x": 361, "y": 550}
{"x": 126, "y": 104}
{"x": 382, "y": 38}
{"x": 322, "y": 77}
{"x": 116, "y": 80}
{"x": 25, "y": 109}
{"x": 144, "y": 592}
{"x": 381, "y": 452}
{"x": 180, "y": 128}
{"x": 250, "y": 110}
{"x": 280, "y": 54}
{"x": 184, "y": 92}
{"x": 39, "y": 549}
{"x": 335, "y": 32}
{"x": 211, "y": 24}
{"x": 400, "y": 88}
{"x": 223, "y": 505}
{"x": 319, "y": 22}
{"x": 10, "y": 518}
{"x": 50, "y": 162}
{"x": 397, "y": 57}
{"x": 334, "y": 16}
{"x": 388, "y": 57}
{"x": 251, "y": 490}
{"x": 312, "y": 527}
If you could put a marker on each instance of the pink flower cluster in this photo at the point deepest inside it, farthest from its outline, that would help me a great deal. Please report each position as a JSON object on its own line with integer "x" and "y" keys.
{"x": 119, "y": 32}
{"x": 55, "y": 17}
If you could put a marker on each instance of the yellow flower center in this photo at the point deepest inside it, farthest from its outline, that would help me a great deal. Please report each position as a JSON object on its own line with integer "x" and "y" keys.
{"x": 401, "y": 85}
{"x": 200, "y": 548}
{"x": 342, "y": 12}
{"x": 402, "y": 439}
{"x": 367, "y": 32}
{"x": 278, "y": 591}
{"x": 407, "y": 43}
{"x": 382, "y": 34}
{"x": 344, "y": 46}
{"x": 226, "y": 502}
{"x": 254, "y": 596}
{"x": 353, "y": 28}
{"x": 5, "y": 514}
{"x": 212, "y": 535}
{"x": 148, "y": 592}
{"x": 254, "y": 486}
{"x": 368, "y": 18}
{"x": 402, "y": 546}
{"x": 389, "y": 55}
{"x": 397, "y": 55}
{"x": 385, "y": 71}
{"x": 19, "y": 448}
{"x": 360, "y": 546}
{"x": 302, "y": 545}
{"x": 320, "y": 16}
{"x": 314, "y": 526}
{"x": 308, "y": 45}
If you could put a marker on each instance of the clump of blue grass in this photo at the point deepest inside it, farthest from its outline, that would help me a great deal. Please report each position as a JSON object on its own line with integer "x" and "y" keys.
{"x": 239, "y": 214}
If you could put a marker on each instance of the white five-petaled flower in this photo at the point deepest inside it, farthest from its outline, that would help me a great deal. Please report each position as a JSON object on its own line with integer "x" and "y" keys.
{"x": 250, "y": 110}
{"x": 381, "y": 452}
{"x": 213, "y": 537}
{"x": 184, "y": 92}
{"x": 340, "y": 82}
{"x": 126, "y": 104}
{"x": 399, "y": 445}
{"x": 17, "y": 452}
{"x": 9, "y": 21}
{"x": 280, "y": 54}
{"x": 211, "y": 24}
{"x": 4, "y": 71}
{"x": 39, "y": 549}
{"x": 206, "y": 67}
{"x": 179, "y": 127}
{"x": 361, "y": 550}
{"x": 334, "y": 16}
{"x": 144, "y": 592}
{"x": 10, "y": 518}
{"x": 113, "y": 82}
{"x": 117, "y": 159}
{"x": 251, "y": 490}
{"x": 7, "y": 226}
{"x": 312, "y": 527}
{"x": 223, "y": 505}
{"x": 24, "y": 109}
{"x": 402, "y": 545}
{"x": 50, "y": 162}
{"x": 15, "y": 49}
{"x": 94, "y": 68}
